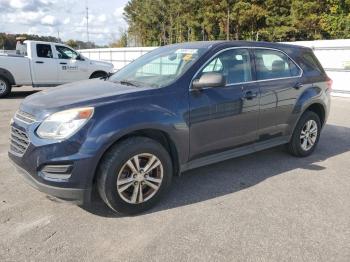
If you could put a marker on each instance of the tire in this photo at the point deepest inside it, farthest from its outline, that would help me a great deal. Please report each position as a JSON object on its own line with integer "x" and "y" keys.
{"x": 5, "y": 87}
{"x": 98, "y": 75}
{"x": 297, "y": 145}
{"x": 114, "y": 170}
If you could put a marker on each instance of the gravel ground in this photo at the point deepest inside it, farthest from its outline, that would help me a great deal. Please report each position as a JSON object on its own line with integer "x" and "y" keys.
{"x": 268, "y": 206}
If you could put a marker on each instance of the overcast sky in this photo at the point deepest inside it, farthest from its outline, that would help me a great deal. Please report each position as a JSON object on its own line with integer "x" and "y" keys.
{"x": 47, "y": 17}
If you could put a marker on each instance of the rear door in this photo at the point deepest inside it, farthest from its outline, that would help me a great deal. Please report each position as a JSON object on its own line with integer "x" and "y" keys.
{"x": 225, "y": 117}
{"x": 71, "y": 67}
{"x": 280, "y": 85}
{"x": 44, "y": 66}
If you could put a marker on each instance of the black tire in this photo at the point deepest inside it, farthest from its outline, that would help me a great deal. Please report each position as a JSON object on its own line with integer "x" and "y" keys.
{"x": 98, "y": 75}
{"x": 112, "y": 164}
{"x": 5, "y": 87}
{"x": 295, "y": 145}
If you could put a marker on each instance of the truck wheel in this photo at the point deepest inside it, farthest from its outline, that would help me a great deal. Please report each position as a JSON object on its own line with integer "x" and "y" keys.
{"x": 5, "y": 87}
{"x": 134, "y": 175}
{"x": 98, "y": 75}
{"x": 306, "y": 135}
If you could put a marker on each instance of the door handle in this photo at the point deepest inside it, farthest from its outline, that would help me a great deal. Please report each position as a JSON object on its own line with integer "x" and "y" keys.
{"x": 298, "y": 85}
{"x": 39, "y": 62}
{"x": 249, "y": 95}
{"x": 63, "y": 63}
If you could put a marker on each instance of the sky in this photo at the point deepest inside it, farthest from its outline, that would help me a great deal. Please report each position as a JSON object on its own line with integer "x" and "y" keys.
{"x": 66, "y": 17}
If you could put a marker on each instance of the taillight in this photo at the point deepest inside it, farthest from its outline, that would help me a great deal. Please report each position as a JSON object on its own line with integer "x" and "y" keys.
{"x": 329, "y": 84}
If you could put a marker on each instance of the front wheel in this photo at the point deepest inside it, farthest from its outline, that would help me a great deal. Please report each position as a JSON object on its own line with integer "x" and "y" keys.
{"x": 306, "y": 135}
{"x": 134, "y": 175}
{"x": 5, "y": 87}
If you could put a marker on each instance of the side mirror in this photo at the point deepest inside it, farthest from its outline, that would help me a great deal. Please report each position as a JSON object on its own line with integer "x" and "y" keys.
{"x": 209, "y": 80}
{"x": 80, "y": 57}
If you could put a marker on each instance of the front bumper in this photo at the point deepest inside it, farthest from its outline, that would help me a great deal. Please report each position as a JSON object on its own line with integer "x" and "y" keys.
{"x": 76, "y": 195}
{"x": 42, "y": 163}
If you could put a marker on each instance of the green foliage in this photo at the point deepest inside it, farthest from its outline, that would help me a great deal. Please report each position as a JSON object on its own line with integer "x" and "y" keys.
{"x": 160, "y": 22}
{"x": 8, "y": 41}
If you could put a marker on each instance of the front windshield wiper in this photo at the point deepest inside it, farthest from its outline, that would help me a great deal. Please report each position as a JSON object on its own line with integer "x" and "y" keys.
{"x": 128, "y": 83}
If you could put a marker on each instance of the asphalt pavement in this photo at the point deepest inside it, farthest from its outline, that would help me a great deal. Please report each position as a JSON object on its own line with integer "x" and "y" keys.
{"x": 267, "y": 206}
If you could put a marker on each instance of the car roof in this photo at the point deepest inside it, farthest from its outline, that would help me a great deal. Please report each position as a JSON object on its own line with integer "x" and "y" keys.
{"x": 238, "y": 43}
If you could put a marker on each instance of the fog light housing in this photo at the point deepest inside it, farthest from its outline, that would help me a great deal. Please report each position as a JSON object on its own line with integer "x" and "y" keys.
{"x": 57, "y": 172}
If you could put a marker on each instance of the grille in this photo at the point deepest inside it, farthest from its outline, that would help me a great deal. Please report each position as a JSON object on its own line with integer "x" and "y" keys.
{"x": 19, "y": 141}
{"x": 25, "y": 117}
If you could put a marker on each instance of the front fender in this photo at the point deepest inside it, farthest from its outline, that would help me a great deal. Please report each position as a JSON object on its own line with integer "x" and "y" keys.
{"x": 114, "y": 121}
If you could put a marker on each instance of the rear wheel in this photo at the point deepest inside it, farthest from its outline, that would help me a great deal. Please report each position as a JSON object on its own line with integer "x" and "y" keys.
{"x": 134, "y": 175}
{"x": 5, "y": 87}
{"x": 306, "y": 135}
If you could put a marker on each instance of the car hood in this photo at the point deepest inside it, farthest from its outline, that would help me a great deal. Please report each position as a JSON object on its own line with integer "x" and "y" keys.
{"x": 102, "y": 64}
{"x": 77, "y": 94}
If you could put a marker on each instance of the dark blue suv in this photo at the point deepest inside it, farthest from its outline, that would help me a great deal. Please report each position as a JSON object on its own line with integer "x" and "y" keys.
{"x": 176, "y": 108}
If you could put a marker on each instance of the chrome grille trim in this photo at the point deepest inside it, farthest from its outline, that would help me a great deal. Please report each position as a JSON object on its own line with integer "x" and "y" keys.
{"x": 19, "y": 141}
{"x": 24, "y": 117}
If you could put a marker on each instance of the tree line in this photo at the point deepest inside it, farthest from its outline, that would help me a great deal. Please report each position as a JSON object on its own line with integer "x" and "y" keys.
{"x": 8, "y": 41}
{"x": 161, "y": 22}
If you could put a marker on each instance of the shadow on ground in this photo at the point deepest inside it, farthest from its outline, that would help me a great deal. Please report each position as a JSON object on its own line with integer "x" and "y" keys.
{"x": 237, "y": 174}
{"x": 20, "y": 94}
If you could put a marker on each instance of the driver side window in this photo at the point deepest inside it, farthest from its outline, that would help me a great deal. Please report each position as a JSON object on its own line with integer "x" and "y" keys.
{"x": 233, "y": 64}
{"x": 66, "y": 53}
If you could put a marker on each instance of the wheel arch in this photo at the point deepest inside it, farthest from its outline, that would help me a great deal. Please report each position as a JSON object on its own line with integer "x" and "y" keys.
{"x": 318, "y": 109}
{"x": 156, "y": 134}
{"x": 97, "y": 72}
{"x": 7, "y": 75}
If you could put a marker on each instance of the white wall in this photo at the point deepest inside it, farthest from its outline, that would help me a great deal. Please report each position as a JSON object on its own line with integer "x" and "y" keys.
{"x": 334, "y": 56}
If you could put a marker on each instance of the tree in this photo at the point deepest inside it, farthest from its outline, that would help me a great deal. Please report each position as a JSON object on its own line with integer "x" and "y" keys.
{"x": 160, "y": 22}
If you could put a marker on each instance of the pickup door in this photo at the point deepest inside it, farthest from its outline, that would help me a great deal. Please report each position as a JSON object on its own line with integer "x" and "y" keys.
{"x": 71, "y": 67}
{"x": 43, "y": 65}
{"x": 225, "y": 117}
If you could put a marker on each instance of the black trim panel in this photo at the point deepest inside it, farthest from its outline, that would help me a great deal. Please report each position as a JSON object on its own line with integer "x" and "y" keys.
{"x": 233, "y": 153}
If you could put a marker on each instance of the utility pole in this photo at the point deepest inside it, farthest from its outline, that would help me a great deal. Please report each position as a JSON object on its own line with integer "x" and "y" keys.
{"x": 228, "y": 23}
{"x": 87, "y": 23}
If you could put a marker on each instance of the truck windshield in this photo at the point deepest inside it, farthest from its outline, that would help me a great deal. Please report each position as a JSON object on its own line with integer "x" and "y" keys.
{"x": 159, "y": 67}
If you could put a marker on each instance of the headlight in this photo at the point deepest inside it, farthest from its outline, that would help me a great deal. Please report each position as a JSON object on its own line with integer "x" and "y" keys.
{"x": 63, "y": 124}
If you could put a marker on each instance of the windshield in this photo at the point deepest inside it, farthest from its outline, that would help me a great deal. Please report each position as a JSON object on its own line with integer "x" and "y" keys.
{"x": 159, "y": 67}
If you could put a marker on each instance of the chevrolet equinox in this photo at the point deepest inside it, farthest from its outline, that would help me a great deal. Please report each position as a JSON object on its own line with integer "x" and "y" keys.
{"x": 176, "y": 108}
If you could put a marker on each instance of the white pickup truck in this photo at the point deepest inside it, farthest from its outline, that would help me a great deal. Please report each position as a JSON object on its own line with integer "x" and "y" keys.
{"x": 47, "y": 64}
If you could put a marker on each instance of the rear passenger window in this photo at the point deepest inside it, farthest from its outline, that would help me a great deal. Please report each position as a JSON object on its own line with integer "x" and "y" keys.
{"x": 310, "y": 65}
{"x": 271, "y": 64}
{"x": 234, "y": 64}
{"x": 44, "y": 51}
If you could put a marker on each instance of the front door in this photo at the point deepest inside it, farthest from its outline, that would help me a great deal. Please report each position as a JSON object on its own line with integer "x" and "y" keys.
{"x": 70, "y": 66}
{"x": 225, "y": 117}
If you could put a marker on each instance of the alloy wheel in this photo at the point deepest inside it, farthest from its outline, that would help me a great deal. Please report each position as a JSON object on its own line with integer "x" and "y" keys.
{"x": 308, "y": 135}
{"x": 140, "y": 178}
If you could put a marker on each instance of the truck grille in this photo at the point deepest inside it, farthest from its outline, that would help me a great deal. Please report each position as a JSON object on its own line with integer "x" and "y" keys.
{"x": 19, "y": 141}
{"x": 24, "y": 117}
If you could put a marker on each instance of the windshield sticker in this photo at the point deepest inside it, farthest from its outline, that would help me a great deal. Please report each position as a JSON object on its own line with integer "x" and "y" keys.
{"x": 186, "y": 51}
{"x": 187, "y": 57}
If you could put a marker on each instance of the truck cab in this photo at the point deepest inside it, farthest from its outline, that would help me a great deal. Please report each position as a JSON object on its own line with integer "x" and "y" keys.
{"x": 48, "y": 64}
